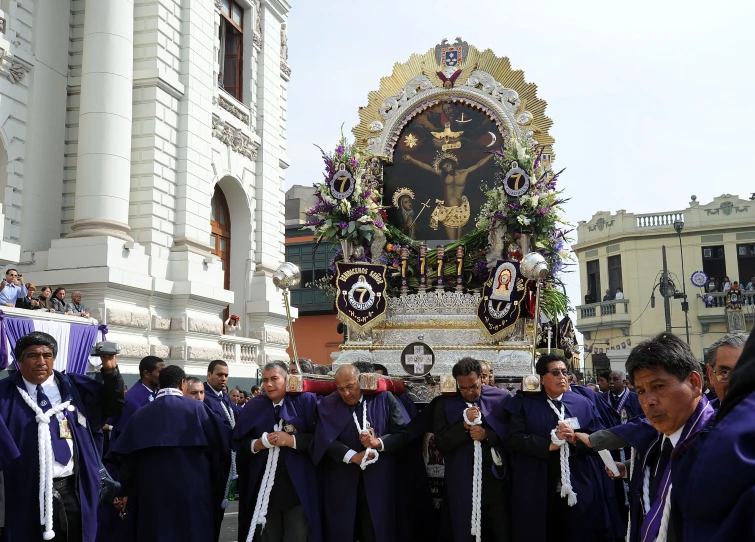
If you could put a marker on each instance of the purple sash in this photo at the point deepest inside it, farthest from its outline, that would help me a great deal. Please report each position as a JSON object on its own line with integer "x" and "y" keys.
{"x": 621, "y": 402}
{"x": 651, "y": 524}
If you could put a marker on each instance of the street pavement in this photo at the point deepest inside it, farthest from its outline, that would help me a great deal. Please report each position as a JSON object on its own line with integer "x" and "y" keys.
{"x": 229, "y": 531}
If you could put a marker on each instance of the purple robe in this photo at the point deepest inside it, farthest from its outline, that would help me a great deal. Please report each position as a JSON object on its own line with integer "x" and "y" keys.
{"x": 21, "y": 476}
{"x": 594, "y": 398}
{"x": 8, "y": 449}
{"x": 341, "y": 480}
{"x": 172, "y": 469}
{"x": 138, "y": 396}
{"x": 212, "y": 400}
{"x": 724, "y": 471}
{"x": 258, "y": 417}
{"x": 459, "y": 462}
{"x": 591, "y": 517}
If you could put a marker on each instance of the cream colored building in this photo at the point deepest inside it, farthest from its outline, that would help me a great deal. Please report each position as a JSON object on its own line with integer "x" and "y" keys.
{"x": 623, "y": 250}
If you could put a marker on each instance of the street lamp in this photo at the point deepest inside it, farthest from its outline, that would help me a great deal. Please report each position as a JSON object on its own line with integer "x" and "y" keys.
{"x": 679, "y": 226}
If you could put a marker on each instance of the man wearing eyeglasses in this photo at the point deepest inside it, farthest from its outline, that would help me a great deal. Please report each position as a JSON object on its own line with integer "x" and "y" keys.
{"x": 12, "y": 288}
{"x": 455, "y": 438}
{"x": 559, "y": 490}
{"x": 722, "y": 357}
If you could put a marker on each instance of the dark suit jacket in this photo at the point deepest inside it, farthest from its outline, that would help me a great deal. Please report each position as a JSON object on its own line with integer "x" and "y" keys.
{"x": 25, "y": 303}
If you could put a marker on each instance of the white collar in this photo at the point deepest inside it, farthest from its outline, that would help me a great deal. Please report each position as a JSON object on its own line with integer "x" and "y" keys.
{"x": 169, "y": 391}
{"x": 675, "y": 436}
{"x": 218, "y": 393}
{"x": 149, "y": 390}
{"x": 619, "y": 396}
{"x": 31, "y": 389}
{"x": 280, "y": 403}
{"x": 555, "y": 398}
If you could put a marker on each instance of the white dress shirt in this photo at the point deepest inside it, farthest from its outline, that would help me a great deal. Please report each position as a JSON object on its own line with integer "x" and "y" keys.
{"x": 675, "y": 436}
{"x": 53, "y": 394}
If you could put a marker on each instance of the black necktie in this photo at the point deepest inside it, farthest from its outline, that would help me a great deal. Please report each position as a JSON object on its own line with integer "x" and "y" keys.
{"x": 277, "y": 410}
{"x": 59, "y": 446}
{"x": 557, "y": 404}
{"x": 663, "y": 460}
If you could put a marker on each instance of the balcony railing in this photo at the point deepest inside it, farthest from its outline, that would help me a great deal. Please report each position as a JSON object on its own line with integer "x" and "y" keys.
{"x": 659, "y": 219}
{"x": 239, "y": 349}
{"x": 605, "y": 308}
{"x": 717, "y": 300}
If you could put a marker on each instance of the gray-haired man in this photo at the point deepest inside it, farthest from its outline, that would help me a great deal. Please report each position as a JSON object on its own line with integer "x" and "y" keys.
{"x": 722, "y": 358}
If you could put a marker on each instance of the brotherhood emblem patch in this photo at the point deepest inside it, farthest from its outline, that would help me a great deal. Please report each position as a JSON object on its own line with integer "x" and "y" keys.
{"x": 361, "y": 299}
{"x": 342, "y": 184}
{"x": 501, "y": 299}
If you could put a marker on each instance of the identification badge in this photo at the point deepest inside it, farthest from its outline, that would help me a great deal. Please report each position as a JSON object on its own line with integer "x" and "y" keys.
{"x": 573, "y": 422}
{"x": 65, "y": 430}
{"x": 81, "y": 419}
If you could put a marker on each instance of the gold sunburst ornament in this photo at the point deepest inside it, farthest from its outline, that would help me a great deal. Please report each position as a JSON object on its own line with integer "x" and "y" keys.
{"x": 410, "y": 140}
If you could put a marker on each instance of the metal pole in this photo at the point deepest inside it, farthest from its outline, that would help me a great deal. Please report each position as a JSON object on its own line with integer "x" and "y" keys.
{"x": 664, "y": 284}
{"x": 537, "y": 322}
{"x": 685, "y": 304}
{"x": 291, "y": 330}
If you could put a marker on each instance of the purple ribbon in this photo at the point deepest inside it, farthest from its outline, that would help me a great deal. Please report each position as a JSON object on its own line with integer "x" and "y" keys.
{"x": 3, "y": 343}
{"x": 651, "y": 524}
{"x": 104, "y": 330}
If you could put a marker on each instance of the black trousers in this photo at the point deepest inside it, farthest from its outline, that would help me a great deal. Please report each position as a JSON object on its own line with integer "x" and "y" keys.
{"x": 66, "y": 515}
{"x": 284, "y": 526}
{"x": 558, "y": 517}
{"x": 364, "y": 530}
{"x": 494, "y": 525}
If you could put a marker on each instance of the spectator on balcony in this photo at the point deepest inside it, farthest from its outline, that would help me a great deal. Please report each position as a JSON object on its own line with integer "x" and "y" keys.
{"x": 76, "y": 307}
{"x": 619, "y": 294}
{"x": 590, "y": 297}
{"x": 735, "y": 286}
{"x": 12, "y": 288}
{"x": 58, "y": 302}
{"x": 750, "y": 285}
{"x": 232, "y": 324}
{"x": 608, "y": 296}
{"x": 27, "y": 302}
{"x": 726, "y": 285}
{"x": 44, "y": 299}
{"x": 712, "y": 285}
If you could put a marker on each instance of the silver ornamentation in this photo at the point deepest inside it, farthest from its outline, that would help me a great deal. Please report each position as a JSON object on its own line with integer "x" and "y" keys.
{"x": 509, "y": 98}
{"x": 435, "y": 302}
{"x": 524, "y": 118}
{"x": 412, "y": 88}
{"x": 376, "y": 126}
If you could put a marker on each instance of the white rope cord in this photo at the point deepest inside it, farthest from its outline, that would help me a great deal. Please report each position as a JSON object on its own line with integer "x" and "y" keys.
{"x": 663, "y": 530}
{"x": 44, "y": 443}
{"x": 566, "y": 487}
{"x": 259, "y": 517}
{"x": 476, "y": 479}
{"x": 646, "y": 490}
{"x": 623, "y": 458}
{"x": 631, "y": 473}
{"x": 364, "y": 428}
{"x": 232, "y": 475}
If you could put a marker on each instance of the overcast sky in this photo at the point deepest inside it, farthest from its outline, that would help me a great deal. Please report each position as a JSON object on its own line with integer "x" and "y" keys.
{"x": 652, "y": 101}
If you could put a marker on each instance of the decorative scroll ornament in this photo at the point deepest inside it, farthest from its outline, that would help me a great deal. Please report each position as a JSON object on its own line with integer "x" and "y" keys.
{"x": 361, "y": 299}
{"x": 501, "y": 300}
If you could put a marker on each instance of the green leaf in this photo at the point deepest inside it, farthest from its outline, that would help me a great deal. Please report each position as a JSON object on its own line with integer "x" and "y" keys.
{"x": 352, "y": 227}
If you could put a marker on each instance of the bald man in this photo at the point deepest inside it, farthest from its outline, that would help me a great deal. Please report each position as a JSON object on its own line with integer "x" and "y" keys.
{"x": 353, "y": 445}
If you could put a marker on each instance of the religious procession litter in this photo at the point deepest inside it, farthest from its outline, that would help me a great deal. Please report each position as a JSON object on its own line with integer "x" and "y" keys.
{"x": 452, "y": 412}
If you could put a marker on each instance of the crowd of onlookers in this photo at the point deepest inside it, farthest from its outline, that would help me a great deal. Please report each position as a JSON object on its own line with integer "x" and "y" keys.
{"x": 592, "y": 297}
{"x": 14, "y": 292}
{"x": 724, "y": 285}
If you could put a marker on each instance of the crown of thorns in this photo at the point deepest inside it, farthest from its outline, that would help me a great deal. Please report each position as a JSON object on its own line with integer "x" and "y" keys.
{"x": 442, "y": 157}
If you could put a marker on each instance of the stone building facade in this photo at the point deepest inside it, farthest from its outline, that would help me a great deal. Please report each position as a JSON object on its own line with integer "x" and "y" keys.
{"x": 145, "y": 148}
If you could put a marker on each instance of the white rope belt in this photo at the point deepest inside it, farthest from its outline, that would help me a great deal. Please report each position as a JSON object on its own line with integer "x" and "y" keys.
{"x": 44, "y": 443}
{"x": 631, "y": 473}
{"x": 232, "y": 475}
{"x": 259, "y": 517}
{"x": 476, "y": 480}
{"x": 663, "y": 529}
{"x": 364, "y": 428}
{"x": 566, "y": 487}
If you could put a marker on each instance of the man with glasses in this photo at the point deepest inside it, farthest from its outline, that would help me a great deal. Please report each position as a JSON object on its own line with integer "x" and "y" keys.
{"x": 456, "y": 438}
{"x": 559, "y": 495}
{"x": 722, "y": 358}
{"x": 11, "y": 288}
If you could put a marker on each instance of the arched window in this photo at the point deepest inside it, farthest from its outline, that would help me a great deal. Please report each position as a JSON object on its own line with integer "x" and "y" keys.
{"x": 220, "y": 224}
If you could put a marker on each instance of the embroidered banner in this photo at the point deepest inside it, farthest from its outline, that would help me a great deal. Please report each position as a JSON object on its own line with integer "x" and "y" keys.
{"x": 361, "y": 300}
{"x": 501, "y": 299}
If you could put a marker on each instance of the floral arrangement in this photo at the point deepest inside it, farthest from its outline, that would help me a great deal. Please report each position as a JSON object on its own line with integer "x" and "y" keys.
{"x": 356, "y": 218}
{"x": 536, "y": 212}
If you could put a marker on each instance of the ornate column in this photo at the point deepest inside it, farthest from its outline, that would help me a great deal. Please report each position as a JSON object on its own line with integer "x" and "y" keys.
{"x": 103, "y": 172}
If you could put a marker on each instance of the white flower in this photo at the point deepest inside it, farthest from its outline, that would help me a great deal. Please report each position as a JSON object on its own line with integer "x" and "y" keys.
{"x": 363, "y": 218}
{"x": 523, "y": 220}
{"x": 345, "y": 206}
{"x": 534, "y": 200}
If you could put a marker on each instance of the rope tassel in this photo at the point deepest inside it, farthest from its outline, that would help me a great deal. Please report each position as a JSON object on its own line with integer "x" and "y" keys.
{"x": 566, "y": 488}
{"x": 476, "y": 480}
{"x": 259, "y": 517}
{"x": 364, "y": 429}
{"x": 44, "y": 444}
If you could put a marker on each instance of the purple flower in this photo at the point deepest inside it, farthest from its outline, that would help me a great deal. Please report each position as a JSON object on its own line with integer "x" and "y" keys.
{"x": 354, "y": 163}
{"x": 394, "y": 264}
{"x": 344, "y": 225}
{"x": 339, "y": 151}
{"x": 480, "y": 270}
{"x": 378, "y": 223}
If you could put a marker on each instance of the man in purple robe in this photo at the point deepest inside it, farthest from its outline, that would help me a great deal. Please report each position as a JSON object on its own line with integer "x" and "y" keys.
{"x": 557, "y": 489}
{"x": 70, "y": 406}
{"x": 723, "y": 355}
{"x": 457, "y": 439}
{"x": 216, "y": 392}
{"x": 354, "y": 441}
{"x": 114, "y": 526}
{"x": 619, "y": 406}
{"x": 724, "y": 469}
{"x": 276, "y": 429}
{"x": 170, "y": 453}
{"x": 666, "y": 376}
